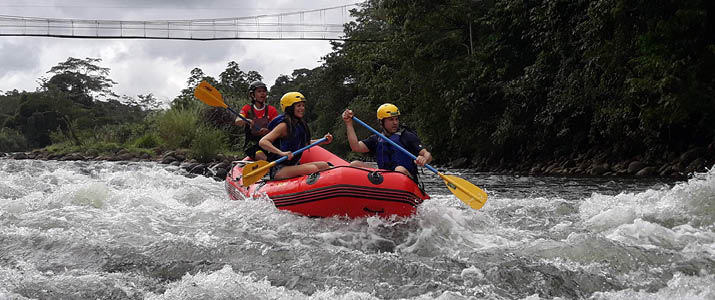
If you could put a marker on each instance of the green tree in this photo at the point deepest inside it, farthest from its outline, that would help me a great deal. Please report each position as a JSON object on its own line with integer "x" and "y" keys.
{"x": 233, "y": 82}
{"x": 186, "y": 99}
{"x": 81, "y": 79}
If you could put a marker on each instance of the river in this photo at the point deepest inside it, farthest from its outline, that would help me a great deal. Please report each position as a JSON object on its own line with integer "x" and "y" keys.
{"x": 117, "y": 230}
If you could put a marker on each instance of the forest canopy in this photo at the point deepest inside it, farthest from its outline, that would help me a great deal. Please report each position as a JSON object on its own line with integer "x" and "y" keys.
{"x": 492, "y": 82}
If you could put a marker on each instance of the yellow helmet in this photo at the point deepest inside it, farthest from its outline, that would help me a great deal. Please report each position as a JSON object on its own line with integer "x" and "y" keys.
{"x": 291, "y": 98}
{"x": 387, "y": 110}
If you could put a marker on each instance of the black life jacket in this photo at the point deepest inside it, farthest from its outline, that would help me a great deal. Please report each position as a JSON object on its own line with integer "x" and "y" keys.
{"x": 251, "y": 132}
{"x": 388, "y": 157}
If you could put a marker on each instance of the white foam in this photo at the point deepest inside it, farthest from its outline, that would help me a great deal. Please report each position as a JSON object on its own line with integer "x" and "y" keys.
{"x": 647, "y": 234}
{"x": 682, "y": 287}
{"x": 450, "y": 230}
{"x": 224, "y": 284}
{"x": 691, "y": 202}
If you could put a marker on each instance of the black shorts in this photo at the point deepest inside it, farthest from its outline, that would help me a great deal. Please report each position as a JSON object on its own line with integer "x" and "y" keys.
{"x": 252, "y": 149}
{"x": 274, "y": 170}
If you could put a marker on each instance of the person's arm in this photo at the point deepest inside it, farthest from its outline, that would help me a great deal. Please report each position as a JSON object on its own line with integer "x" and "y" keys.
{"x": 355, "y": 145}
{"x": 267, "y": 140}
{"x": 424, "y": 158}
{"x": 243, "y": 113}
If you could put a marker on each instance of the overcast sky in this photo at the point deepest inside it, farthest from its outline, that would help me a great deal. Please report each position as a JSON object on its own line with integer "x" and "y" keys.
{"x": 161, "y": 67}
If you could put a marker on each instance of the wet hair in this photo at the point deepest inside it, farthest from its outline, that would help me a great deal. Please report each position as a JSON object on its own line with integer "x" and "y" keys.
{"x": 291, "y": 120}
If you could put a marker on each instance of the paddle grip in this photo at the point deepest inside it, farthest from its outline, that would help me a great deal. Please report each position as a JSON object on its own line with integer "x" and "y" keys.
{"x": 301, "y": 150}
{"x": 394, "y": 144}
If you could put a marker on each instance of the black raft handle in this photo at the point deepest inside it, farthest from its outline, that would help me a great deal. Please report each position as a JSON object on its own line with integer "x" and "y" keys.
{"x": 381, "y": 211}
{"x": 375, "y": 177}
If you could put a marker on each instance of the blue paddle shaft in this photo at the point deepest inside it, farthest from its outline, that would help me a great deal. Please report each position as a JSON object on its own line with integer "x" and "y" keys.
{"x": 393, "y": 143}
{"x": 239, "y": 115}
{"x": 302, "y": 149}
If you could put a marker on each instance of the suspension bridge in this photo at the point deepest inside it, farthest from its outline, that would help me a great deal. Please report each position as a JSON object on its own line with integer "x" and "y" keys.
{"x": 316, "y": 24}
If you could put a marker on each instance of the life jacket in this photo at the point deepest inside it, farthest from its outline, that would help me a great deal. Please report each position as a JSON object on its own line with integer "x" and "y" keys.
{"x": 388, "y": 157}
{"x": 277, "y": 120}
{"x": 258, "y": 123}
{"x": 298, "y": 139}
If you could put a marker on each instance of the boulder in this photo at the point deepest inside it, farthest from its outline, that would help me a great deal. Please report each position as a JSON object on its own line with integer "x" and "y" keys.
{"x": 691, "y": 155}
{"x": 125, "y": 156}
{"x": 599, "y": 169}
{"x": 91, "y": 153}
{"x": 647, "y": 171}
{"x": 221, "y": 173}
{"x": 697, "y": 165}
{"x": 168, "y": 160}
{"x": 188, "y": 166}
{"x": 535, "y": 170}
{"x": 20, "y": 155}
{"x": 72, "y": 156}
{"x": 635, "y": 166}
{"x": 223, "y": 165}
{"x": 198, "y": 169}
{"x": 169, "y": 154}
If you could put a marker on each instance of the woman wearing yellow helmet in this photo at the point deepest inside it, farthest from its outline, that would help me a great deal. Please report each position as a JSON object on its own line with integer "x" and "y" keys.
{"x": 387, "y": 156}
{"x": 290, "y": 134}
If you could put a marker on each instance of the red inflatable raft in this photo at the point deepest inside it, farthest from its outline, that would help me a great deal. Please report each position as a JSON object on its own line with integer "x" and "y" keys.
{"x": 339, "y": 191}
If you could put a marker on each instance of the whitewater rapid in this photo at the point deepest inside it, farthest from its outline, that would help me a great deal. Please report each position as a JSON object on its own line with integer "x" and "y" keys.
{"x": 113, "y": 230}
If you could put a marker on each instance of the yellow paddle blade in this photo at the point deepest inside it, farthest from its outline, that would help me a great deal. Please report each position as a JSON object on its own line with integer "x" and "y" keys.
{"x": 464, "y": 190}
{"x": 255, "y": 171}
{"x": 209, "y": 95}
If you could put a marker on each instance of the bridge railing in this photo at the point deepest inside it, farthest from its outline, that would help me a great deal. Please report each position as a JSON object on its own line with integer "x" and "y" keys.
{"x": 319, "y": 24}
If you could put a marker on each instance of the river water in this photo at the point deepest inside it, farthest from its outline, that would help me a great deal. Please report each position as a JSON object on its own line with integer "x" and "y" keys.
{"x": 107, "y": 230}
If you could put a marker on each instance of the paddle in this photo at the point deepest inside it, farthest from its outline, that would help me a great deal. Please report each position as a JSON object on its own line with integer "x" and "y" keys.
{"x": 211, "y": 96}
{"x": 255, "y": 171}
{"x": 464, "y": 190}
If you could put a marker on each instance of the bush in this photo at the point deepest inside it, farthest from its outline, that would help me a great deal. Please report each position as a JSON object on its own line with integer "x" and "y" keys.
{"x": 12, "y": 140}
{"x": 63, "y": 148}
{"x": 177, "y": 127}
{"x": 207, "y": 143}
{"x": 110, "y": 133}
{"x": 147, "y": 141}
{"x": 104, "y": 148}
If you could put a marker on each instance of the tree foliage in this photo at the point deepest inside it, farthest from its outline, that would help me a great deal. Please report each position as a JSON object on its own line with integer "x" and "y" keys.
{"x": 67, "y": 104}
{"x": 82, "y": 80}
{"x": 504, "y": 81}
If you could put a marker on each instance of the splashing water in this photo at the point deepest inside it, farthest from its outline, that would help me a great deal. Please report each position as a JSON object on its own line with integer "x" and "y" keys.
{"x": 106, "y": 230}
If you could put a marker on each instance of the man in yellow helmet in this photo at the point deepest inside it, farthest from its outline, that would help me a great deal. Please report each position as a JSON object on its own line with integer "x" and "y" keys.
{"x": 387, "y": 156}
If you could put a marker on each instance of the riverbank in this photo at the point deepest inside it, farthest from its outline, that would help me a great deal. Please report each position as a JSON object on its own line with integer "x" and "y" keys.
{"x": 676, "y": 166}
{"x": 216, "y": 169}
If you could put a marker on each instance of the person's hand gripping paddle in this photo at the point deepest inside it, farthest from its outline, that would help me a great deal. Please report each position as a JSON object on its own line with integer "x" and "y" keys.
{"x": 255, "y": 171}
